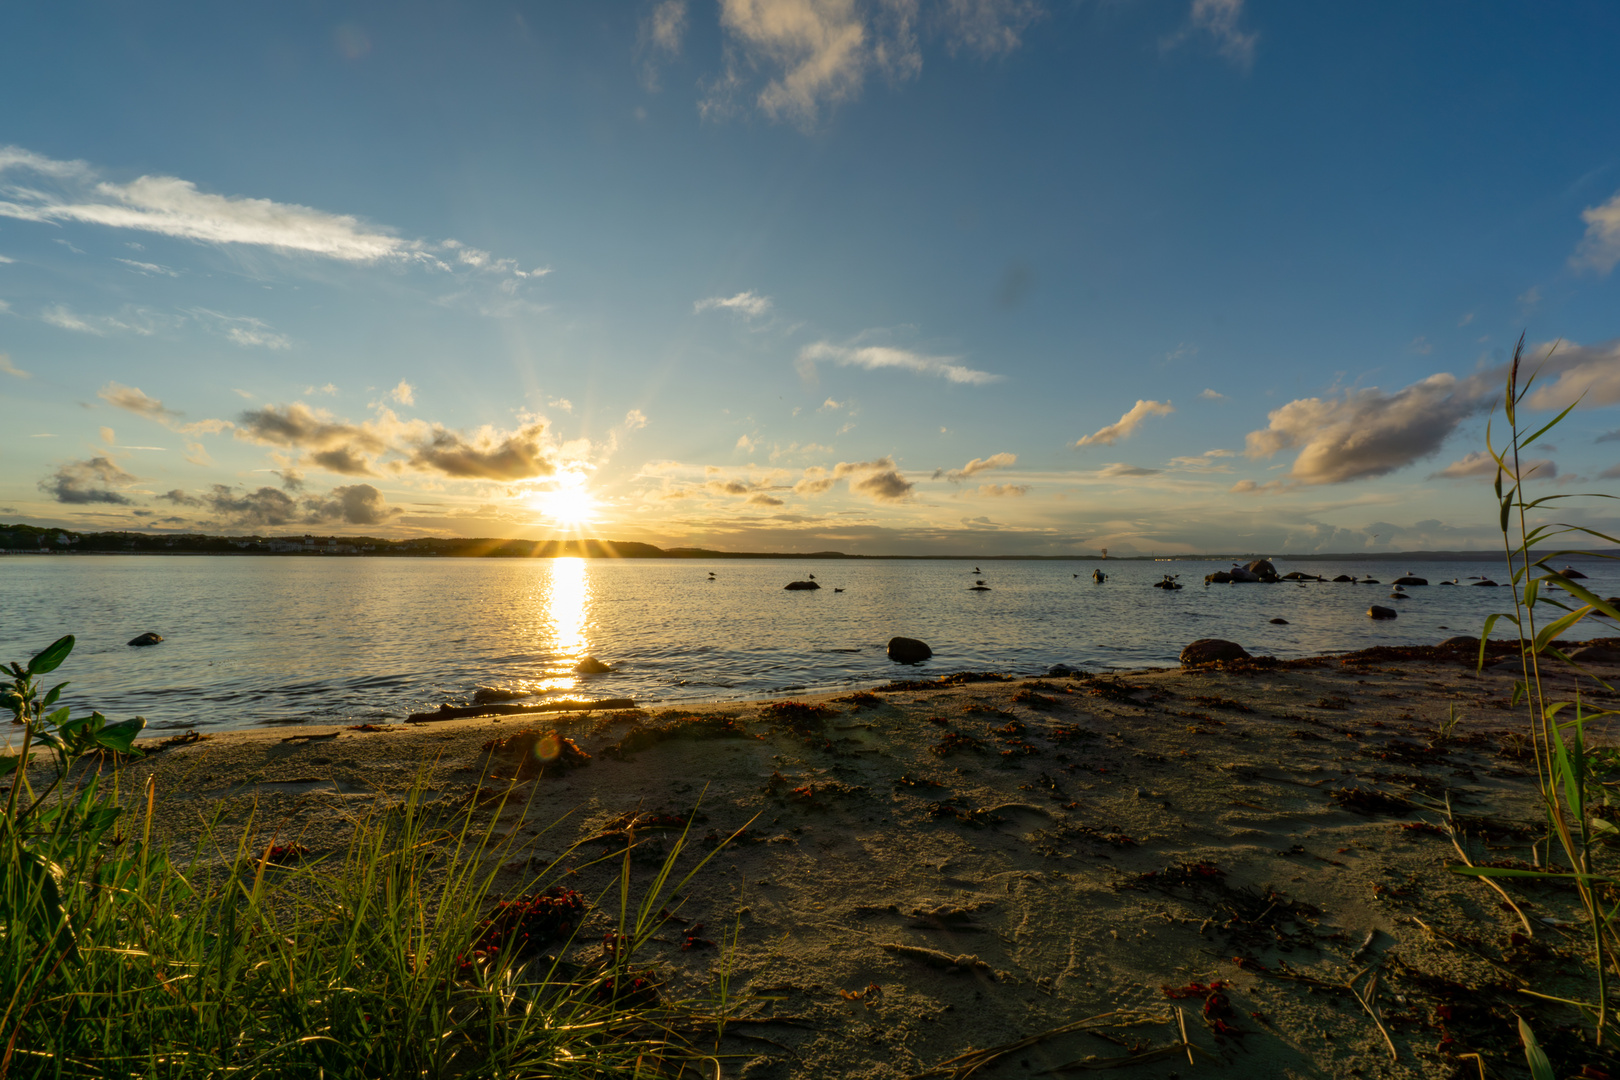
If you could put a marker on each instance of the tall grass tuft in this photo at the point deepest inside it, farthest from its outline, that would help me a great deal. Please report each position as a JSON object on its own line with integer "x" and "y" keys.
{"x": 1569, "y": 772}
{"x": 393, "y": 958}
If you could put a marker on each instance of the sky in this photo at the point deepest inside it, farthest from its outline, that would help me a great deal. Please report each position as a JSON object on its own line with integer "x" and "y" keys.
{"x": 879, "y": 276}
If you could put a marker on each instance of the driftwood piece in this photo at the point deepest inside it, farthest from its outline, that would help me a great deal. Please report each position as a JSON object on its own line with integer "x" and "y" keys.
{"x": 457, "y": 712}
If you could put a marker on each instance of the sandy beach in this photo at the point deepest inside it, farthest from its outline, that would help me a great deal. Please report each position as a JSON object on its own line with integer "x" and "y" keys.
{"x": 948, "y": 865}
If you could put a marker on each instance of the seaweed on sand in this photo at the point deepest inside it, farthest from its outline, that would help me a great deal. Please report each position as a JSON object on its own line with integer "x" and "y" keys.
{"x": 1246, "y": 916}
{"x": 643, "y": 736}
{"x": 538, "y": 753}
{"x": 960, "y": 678}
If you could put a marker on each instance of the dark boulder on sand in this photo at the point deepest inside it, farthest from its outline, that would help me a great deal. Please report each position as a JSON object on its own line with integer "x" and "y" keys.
{"x": 147, "y": 638}
{"x": 905, "y": 650}
{"x": 591, "y": 666}
{"x": 1211, "y": 651}
{"x": 1376, "y": 612}
{"x": 797, "y": 586}
{"x": 1596, "y": 654}
{"x": 1461, "y": 641}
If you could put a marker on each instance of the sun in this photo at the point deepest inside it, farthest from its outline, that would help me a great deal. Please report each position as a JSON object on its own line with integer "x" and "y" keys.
{"x": 568, "y": 503}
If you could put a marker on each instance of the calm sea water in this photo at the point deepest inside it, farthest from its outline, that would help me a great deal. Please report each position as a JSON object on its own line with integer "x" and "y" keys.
{"x": 252, "y": 641}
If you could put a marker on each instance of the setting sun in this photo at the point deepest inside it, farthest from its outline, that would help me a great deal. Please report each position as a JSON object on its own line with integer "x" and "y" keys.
{"x": 569, "y": 504}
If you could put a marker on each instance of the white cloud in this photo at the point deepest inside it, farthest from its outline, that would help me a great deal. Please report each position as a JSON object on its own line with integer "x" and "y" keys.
{"x": 12, "y": 369}
{"x": 1217, "y": 21}
{"x": 404, "y": 393}
{"x": 635, "y": 419}
{"x": 174, "y": 207}
{"x": 1599, "y": 249}
{"x": 1126, "y": 425}
{"x": 1366, "y": 433}
{"x": 748, "y": 304}
{"x": 873, "y": 357}
{"x": 1211, "y": 395}
{"x": 878, "y": 480}
{"x": 817, "y": 53}
{"x": 1003, "y": 490}
{"x": 6, "y": 259}
{"x": 830, "y": 404}
{"x": 977, "y": 466}
{"x": 746, "y": 443}
{"x": 1590, "y": 373}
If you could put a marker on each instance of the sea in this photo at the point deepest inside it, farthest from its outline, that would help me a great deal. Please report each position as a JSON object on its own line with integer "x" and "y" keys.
{"x": 253, "y": 641}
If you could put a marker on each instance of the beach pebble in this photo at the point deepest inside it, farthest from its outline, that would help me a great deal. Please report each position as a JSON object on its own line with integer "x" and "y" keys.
{"x": 591, "y": 666}
{"x": 1212, "y": 650}
{"x": 905, "y": 650}
{"x": 1376, "y": 612}
{"x": 147, "y": 638}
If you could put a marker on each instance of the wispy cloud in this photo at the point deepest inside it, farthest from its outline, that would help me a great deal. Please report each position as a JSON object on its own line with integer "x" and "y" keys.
{"x": 1211, "y": 395}
{"x": 1599, "y": 249}
{"x": 133, "y": 399}
{"x": 749, "y": 304}
{"x": 660, "y": 37}
{"x": 130, "y": 320}
{"x": 1216, "y": 21}
{"x": 404, "y": 393}
{"x": 174, "y": 207}
{"x": 977, "y": 466}
{"x": 1119, "y": 469}
{"x": 148, "y": 269}
{"x": 11, "y": 369}
{"x": 876, "y": 357}
{"x": 1479, "y": 464}
{"x": 1126, "y": 425}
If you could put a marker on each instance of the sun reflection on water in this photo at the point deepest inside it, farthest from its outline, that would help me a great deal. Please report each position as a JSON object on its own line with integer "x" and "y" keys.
{"x": 568, "y": 606}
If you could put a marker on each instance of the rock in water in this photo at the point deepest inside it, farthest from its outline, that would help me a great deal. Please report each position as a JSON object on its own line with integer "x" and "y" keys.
{"x": 591, "y": 666}
{"x": 1410, "y": 580}
{"x": 1063, "y": 671}
{"x": 798, "y": 585}
{"x": 1212, "y": 650}
{"x": 1261, "y": 568}
{"x": 1237, "y": 573}
{"x": 905, "y": 650}
{"x": 1279, "y": 622}
{"x": 1345, "y": 577}
{"x": 1376, "y": 612}
{"x": 1571, "y": 573}
{"x": 1219, "y": 577}
{"x": 147, "y": 638}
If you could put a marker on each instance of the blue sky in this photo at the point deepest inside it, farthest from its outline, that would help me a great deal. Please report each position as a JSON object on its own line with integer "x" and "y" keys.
{"x": 883, "y": 276}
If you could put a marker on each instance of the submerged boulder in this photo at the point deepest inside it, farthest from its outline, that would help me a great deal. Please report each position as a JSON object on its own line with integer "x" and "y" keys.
{"x": 1238, "y": 573}
{"x": 1345, "y": 577}
{"x": 1211, "y": 651}
{"x": 796, "y": 586}
{"x": 1219, "y": 577}
{"x": 1279, "y": 622}
{"x": 905, "y": 650}
{"x": 1376, "y": 612}
{"x": 1571, "y": 573}
{"x": 591, "y": 666}
{"x": 1410, "y": 580}
{"x": 148, "y": 638}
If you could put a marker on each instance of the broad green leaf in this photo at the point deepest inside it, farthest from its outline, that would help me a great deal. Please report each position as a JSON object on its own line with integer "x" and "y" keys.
{"x": 9, "y": 763}
{"x": 121, "y": 736}
{"x": 56, "y": 692}
{"x": 51, "y": 657}
{"x": 59, "y": 718}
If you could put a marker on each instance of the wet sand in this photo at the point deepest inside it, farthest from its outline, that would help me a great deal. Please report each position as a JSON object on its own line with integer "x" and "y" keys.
{"x": 940, "y": 867}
